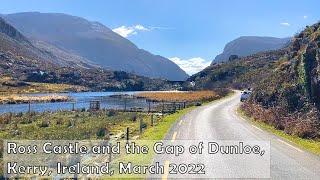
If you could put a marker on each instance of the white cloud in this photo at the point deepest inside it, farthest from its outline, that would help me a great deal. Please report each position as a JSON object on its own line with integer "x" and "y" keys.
{"x": 285, "y": 24}
{"x": 192, "y": 65}
{"x": 305, "y": 17}
{"x": 141, "y": 28}
{"x": 126, "y": 31}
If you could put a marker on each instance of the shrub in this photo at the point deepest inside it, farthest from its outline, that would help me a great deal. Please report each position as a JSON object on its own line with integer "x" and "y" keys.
{"x": 20, "y": 114}
{"x": 111, "y": 113}
{"x": 134, "y": 117}
{"x": 44, "y": 124}
{"x": 304, "y": 125}
{"x": 144, "y": 125}
{"x": 59, "y": 121}
{"x": 71, "y": 123}
{"x": 102, "y": 132}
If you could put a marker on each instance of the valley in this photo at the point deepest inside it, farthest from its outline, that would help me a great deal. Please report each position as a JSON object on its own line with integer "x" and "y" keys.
{"x": 65, "y": 77}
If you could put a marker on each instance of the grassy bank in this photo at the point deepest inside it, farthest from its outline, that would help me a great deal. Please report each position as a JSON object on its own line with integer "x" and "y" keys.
{"x": 80, "y": 125}
{"x": 84, "y": 125}
{"x": 68, "y": 125}
{"x": 11, "y": 86}
{"x": 20, "y": 99}
{"x": 148, "y": 138}
{"x": 307, "y": 144}
{"x": 180, "y": 96}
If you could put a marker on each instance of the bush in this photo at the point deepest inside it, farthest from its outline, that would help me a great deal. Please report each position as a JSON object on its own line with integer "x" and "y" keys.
{"x": 4, "y": 120}
{"x": 59, "y": 121}
{"x": 144, "y": 125}
{"x": 134, "y": 117}
{"x": 26, "y": 121}
{"x": 20, "y": 114}
{"x": 71, "y": 123}
{"x": 32, "y": 113}
{"x": 44, "y": 124}
{"x": 304, "y": 125}
{"x": 102, "y": 132}
{"x": 111, "y": 113}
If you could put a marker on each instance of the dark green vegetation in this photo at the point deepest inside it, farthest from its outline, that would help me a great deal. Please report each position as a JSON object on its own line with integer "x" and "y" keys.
{"x": 21, "y": 61}
{"x": 286, "y": 84}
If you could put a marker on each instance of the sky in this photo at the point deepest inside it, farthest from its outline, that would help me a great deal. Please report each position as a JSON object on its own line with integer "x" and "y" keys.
{"x": 189, "y": 32}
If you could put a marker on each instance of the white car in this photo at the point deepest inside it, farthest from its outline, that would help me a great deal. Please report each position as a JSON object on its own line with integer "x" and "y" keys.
{"x": 245, "y": 95}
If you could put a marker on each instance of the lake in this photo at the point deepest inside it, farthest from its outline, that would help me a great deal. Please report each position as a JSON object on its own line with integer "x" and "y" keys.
{"x": 81, "y": 99}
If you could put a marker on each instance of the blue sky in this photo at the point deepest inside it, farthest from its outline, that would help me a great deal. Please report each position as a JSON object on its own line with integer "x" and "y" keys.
{"x": 190, "y": 32}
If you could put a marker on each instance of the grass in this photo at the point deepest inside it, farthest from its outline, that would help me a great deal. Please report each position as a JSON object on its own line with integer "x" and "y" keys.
{"x": 10, "y": 86}
{"x": 189, "y": 96}
{"x": 148, "y": 138}
{"x": 158, "y": 132}
{"x": 68, "y": 125}
{"x": 152, "y": 135}
{"x": 85, "y": 125}
{"x": 310, "y": 145}
{"x": 18, "y": 98}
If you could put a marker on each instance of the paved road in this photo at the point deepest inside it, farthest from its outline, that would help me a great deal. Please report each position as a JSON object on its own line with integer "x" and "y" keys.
{"x": 219, "y": 121}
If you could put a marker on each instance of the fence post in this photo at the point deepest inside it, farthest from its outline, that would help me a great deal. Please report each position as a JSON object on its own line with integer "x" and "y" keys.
{"x": 125, "y": 104}
{"x": 140, "y": 124}
{"x": 127, "y": 135}
{"x": 73, "y": 105}
{"x": 29, "y": 111}
{"x": 29, "y": 107}
{"x": 149, "y": 107}
{"x": 162, "y": 107}
{"x": 151, "y": 119}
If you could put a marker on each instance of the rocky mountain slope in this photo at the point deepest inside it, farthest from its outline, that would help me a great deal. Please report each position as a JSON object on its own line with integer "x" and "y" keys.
{"x": 93, "y": 43}
{"x": 291, "y": 94}
{"x": 286, "y": 83}
{"x": 240, "y": 73}
{"x": 249, "y": 45}
{"x": 22, "y": 62}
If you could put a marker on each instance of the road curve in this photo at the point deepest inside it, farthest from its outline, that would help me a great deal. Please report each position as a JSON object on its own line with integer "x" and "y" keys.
{"x": 219, "y": 121}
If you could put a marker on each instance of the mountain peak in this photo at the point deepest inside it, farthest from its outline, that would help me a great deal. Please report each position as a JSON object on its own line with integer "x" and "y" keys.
{"x": 95, "y": 42}
{"x": 248, "y": 45}
{"x": 10, "y": 31}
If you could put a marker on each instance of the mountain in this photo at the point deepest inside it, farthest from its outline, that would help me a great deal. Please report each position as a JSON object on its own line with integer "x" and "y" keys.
{"x": 93, "y": 43}
{"x": 22, "y": 64}
{"x": 238, "y": 74}
{"x": 285, "y": 82}
{"x": 248, "y": 45}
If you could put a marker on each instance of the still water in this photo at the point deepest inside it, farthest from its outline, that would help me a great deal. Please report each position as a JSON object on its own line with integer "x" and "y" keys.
{"x": 81, "y": 99}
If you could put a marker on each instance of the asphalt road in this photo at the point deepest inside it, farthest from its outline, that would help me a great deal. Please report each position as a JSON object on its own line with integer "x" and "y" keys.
{"x": 220, "y": 121}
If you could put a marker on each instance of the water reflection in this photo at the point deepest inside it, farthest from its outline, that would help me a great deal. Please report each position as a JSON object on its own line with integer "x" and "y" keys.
{"x": 80, "y": 100}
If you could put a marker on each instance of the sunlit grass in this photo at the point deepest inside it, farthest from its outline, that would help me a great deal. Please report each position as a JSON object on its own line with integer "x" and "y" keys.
{"x": 189, "y": 96}
{"x": 10, "y": 86}
{"x": 307, "y": 144}
{"x": 18, "y": 98}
